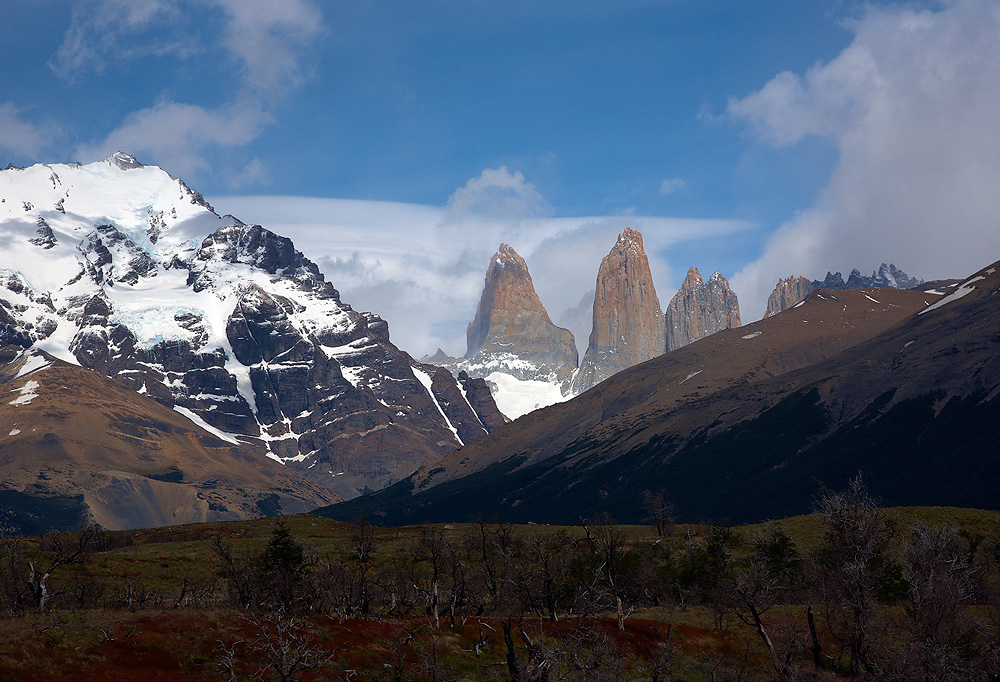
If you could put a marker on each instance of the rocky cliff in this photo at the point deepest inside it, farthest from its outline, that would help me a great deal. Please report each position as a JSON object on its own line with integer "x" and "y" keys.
{"x": 121, "y": 268}
{"x": 528, "y": 361}
{"x": 628, "y": 322}
{"x": 700, "y": 309}
{"x": 511, "y": 320}
{"x": 787, "y": 293}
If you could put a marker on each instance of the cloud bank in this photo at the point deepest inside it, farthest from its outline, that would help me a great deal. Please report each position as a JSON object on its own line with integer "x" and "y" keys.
{"x": 911, "y": 105}
{"x": 422, "y": 267}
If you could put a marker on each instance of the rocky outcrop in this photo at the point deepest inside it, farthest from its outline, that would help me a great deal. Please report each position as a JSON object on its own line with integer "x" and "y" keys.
{"x": 512, "y": 328}
{"x": 885, "y": 277}
{"x": 628, "y": 322}
{"x": 513, "y": 344}
{"x": 787, "y": 293}
{"x": 700, "y": 309}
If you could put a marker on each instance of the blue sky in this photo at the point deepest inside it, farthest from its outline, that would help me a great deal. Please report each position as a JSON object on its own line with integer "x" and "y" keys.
{"x": 804, "y": 135}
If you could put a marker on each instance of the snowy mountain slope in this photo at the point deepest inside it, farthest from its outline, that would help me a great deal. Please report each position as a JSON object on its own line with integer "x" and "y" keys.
{"x": 518, "y": 386}
{"x": 123, "y": 269}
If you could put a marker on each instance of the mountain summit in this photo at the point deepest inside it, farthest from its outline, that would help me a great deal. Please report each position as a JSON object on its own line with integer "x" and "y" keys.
{"x": 628, "y": 322}
{"x": 700, "y": 309}
{"x": 528, "y": 361}
{"x": 511, "y": 319}
{"x": 787, "y": 293}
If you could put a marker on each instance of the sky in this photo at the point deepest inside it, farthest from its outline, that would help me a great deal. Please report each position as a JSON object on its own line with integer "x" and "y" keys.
{"x": 398, "y": 144}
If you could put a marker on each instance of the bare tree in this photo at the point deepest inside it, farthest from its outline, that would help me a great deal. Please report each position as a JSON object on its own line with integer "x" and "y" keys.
{"x": 659, "y": 511}
{"x": 282, "y": 644}
{"x": 431, "y": 550}
{"x": 239, "y": 570}
{"x": 939, "y": 582}
{"x": 363, "y": 553}
{"x": 60, "y": 550}
{"x": 855, "y": 566}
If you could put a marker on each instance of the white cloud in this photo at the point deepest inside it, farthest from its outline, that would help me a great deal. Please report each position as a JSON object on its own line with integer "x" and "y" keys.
{"x": 911, "y": 105}
{"x": 22, "y": 137}
{"x": 497, "y": 195}
{"x": 103, "y": 30}
{"x": 175, "y": 135}
{"x": 671, "y": 185}
{"x": 268, "y": 42}
{"x": 253, "y": 173}
{"x": 422, "y": 267}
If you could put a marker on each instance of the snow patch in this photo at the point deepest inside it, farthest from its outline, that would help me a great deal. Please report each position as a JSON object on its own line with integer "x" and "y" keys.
{"x": 425, "y": 379}
{"x": 872, "y": 299}
{"x": 752, "y": 335}
{"x": 517, "y": 397}
{"x": 964, "y": 290}
{"x": 32, "y": 363}
{"x": 27, "y": 394}
{"x": 228, "y": 437}
{"x": 799, "y": 304}
{"x": 694, "y": 374}
{"x": 353, "y": 375}
{"x": 14, "y": 432}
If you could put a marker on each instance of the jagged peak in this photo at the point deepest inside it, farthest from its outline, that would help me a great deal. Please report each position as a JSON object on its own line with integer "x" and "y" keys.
{"x": 718, "y": 278}
{"x": 123, "y": 160}
{"x": 506, "y": 254}
{"x": 693, "y": 277}
{"x": 630, "y": 238}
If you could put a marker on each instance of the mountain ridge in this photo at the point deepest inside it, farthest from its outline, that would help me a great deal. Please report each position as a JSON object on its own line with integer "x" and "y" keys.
{"x": 729, "y": 449}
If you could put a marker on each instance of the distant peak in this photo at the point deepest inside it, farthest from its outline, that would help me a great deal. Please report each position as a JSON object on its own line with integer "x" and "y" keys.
{"x": 693, "y": 275}
{"x": 123, "y": 161}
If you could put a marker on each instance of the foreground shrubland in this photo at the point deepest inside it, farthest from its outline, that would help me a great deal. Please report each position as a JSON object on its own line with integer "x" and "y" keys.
{"x": 852, "y": 591}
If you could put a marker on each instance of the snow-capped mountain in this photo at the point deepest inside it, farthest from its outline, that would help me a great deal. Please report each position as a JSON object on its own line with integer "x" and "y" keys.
{"x": 123, "y": 269}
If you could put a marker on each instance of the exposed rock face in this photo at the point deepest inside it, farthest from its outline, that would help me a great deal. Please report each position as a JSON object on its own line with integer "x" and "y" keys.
{"x": 137, "y": 278}
{"x": 700, "y": 308}
{"x": 628, "y": 322}
{"x": 886, "y": 277}
{"x": 511, "y": 340}
{"x": 787, "y": 293}
{"x": 511, "y": 322}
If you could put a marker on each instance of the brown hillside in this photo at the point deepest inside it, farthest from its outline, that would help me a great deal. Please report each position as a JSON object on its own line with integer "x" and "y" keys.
{"x": 67, "y": 432}
{"x": 631, "y": 406}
